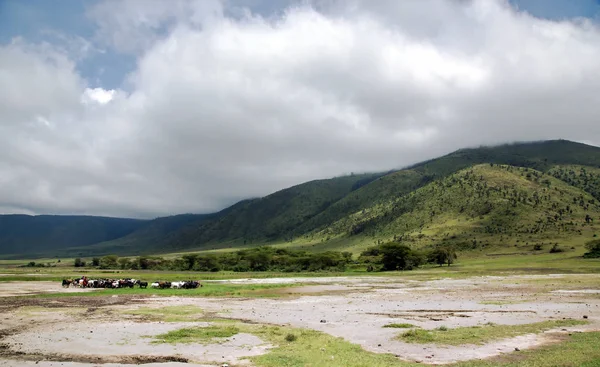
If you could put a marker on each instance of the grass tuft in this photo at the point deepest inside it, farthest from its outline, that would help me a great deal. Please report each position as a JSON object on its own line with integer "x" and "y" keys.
{"x": 169, "y": 314}
{"x": 291, "y": 337}
{"x": 399, "y": 326}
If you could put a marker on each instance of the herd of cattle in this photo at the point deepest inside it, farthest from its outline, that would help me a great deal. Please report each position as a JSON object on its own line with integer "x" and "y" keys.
{"x": 127, "y": 283}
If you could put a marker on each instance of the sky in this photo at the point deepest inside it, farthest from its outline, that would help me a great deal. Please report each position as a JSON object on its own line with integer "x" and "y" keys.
{"x": 146, "y": 108}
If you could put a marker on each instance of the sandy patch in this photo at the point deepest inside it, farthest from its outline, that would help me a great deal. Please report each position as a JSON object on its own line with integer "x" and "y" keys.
{"x": 11, "y": 289}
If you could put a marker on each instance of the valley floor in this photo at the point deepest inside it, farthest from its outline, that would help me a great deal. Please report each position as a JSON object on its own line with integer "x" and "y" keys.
{"x": 334, "y": 322}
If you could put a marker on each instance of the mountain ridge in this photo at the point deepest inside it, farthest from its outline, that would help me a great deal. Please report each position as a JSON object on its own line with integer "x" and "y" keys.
{"x": 305, "y": 214}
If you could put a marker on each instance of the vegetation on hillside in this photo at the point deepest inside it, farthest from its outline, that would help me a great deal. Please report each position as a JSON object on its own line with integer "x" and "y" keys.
{"x": 478, "y": 207}
{"x": 529, "y": 197}
{"x": 25, "y": 234}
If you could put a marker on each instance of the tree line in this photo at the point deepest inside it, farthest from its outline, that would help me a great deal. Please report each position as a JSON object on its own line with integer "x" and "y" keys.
{"x": 385, "y": 257}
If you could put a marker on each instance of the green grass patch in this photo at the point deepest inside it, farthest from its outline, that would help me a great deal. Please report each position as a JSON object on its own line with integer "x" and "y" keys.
{"x": 209, "y": 290}
{"x": 169, "y": 314}
{"x": 578, "y": 350}
{"x": 202, "y": 335}
{"x": 400, "y": 326}
{"x": 481, "y": 334}
{"x": 313, "y": 348}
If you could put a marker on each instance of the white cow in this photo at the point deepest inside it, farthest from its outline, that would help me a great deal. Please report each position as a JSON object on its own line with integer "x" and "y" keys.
{"x": 177, "y": 285}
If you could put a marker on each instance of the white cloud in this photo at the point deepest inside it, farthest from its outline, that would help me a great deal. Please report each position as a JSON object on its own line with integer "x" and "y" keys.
{"x": 97, "y": 95}
{"x": 225, "y": 107}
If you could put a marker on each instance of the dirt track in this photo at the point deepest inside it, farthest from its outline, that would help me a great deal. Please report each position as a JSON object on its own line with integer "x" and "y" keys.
{"x": 42, "y": 329}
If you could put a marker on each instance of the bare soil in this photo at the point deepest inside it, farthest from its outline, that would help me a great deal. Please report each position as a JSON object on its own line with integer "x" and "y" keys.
{"x": 87, "y": 331}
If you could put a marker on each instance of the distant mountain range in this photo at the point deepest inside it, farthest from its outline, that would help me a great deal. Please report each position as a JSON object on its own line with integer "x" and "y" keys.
{"x": 482, "y": 198}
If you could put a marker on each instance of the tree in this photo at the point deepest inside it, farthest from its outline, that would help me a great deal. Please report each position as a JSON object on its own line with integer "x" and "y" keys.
{"x": 190, "y": 260}
{"x": 79, "y": 263}
{"x": 442, "y": 255}
{"x": 594, "y": 249}
{"x": 108, "y": 261}
{"x": 399, "y": 257}
{"x": 96, "y": 261}
{"x": 124, "y": 263}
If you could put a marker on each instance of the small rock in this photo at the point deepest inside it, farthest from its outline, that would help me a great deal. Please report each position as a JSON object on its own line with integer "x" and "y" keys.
{"x": 517, "y": 350}
{"x": 379, "y": 345}
{"x": 324, "y": 321}
{"x": 585, "y": 316}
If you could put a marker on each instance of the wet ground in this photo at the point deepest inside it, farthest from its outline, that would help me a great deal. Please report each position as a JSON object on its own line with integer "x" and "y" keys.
{"x": 86, "y": 331}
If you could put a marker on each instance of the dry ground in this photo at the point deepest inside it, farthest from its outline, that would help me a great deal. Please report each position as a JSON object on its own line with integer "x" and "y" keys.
{"x": 88, "y": 331}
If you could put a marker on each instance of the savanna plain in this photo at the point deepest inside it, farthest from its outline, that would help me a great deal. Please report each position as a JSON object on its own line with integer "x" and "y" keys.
{"x": 492, "y": 311}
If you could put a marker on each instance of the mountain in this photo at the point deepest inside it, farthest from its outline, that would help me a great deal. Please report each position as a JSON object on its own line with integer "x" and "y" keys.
{"x": 147, "y": 239}
{"x": 25, "y": 234}
{"x": 491, "y": 196}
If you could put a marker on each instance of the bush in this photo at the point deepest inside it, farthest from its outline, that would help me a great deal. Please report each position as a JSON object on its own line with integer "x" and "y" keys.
{"x": 594, "y": 249}
{"x": 290, "y": 338}
{"x": 537, "y": 247}
{"x": 79, "y": 263}
{"x": 556, "y": 249}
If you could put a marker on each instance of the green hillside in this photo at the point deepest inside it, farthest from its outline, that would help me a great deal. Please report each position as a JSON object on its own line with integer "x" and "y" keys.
{"x": 148, "y": 239}
{"x": 25, "y": 234}
{"x": 482, "y": 206}
{"x": 508, "y": 195}
{"x": 585, "y": 178}
{"x": 274, "y": 217}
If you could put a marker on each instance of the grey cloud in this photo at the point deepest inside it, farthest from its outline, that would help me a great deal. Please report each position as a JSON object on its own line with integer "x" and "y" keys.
{"x": 221, "y": 108}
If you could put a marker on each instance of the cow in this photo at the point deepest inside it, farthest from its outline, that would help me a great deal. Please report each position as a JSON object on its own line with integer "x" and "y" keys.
{"x": 164, "y": 285}
{"x": 177, "y": 285}
{"x": 192, "y": 284}
{"x": 67, "y": 282}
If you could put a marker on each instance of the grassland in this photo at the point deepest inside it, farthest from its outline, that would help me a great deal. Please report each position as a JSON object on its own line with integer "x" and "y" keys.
{"x": 202, "y": 335}
{"x": 313, "y": 348}
{"x": 480, "y": 334}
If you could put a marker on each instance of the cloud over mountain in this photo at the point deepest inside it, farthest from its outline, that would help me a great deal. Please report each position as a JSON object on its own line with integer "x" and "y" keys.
{"x": 225, "y": 102}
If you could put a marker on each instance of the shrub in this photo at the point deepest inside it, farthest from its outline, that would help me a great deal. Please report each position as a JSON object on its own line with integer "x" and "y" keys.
{"x": 594, "y": 249}
{"x": 79, "y": 263}
{"x": 290, "y": 338}
{"x": 556, "y": 249}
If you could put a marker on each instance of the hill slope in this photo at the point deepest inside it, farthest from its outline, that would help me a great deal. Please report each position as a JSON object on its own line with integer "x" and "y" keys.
{"x": 480, "y": 206}
{"x": 267, "y": 226}
{"x": 25, "y": 234}
{"x": 417, "y": 203}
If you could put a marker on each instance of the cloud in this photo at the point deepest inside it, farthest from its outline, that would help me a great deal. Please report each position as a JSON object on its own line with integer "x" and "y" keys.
{"x": 226, "y": 103}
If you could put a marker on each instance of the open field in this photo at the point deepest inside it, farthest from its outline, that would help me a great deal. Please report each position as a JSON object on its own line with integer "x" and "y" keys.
{"x": 502, "y": 320}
